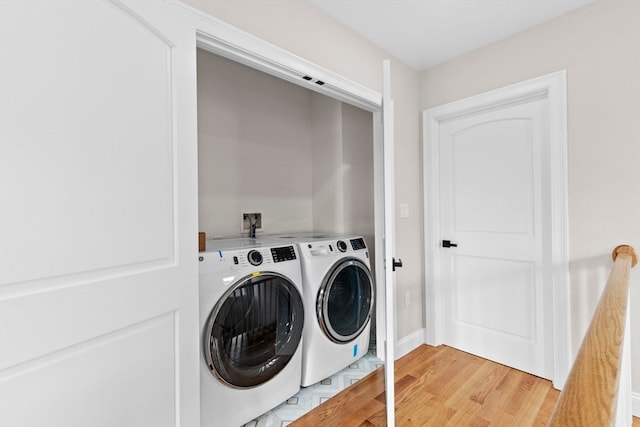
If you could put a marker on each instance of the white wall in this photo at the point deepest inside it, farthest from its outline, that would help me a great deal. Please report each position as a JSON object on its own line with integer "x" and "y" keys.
{"x": 308, "y": 32}
{"x": 357, "y": 172}
{"x": 598, "y": 45}
{"x": 342, "y": 158}
{"x": 254, "y": 149}
{"x": 327, "y": 185}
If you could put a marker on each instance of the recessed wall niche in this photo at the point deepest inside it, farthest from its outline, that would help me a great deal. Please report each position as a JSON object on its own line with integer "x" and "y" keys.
{"x": 302, "y": 159}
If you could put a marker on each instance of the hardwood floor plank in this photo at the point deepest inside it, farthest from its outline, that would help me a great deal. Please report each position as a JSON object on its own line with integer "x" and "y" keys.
{"x": 495, "y": 400}
{"x": 368, "y": 412}
{"x": 441, "y": 386}
{"x": 465, "y": 415}
{"x": 448, "y": 382}
{"x": 547, "y": 407}
{"x": 413, "y": 408}
{"x": 532, "y": 404}
{"x": 424, "y": 354}
{"x": 521, "y": 393}
{"x": 478, "y": 385}
{"x": 434, "y": 414}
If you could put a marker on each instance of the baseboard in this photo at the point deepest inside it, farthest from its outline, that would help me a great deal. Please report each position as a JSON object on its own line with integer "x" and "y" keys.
{"x": 635, "y": 404}
{"x": 409, "y": 343}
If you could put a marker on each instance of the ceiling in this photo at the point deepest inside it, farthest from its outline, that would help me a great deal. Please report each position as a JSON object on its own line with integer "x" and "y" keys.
{"x": 424, "y": 33}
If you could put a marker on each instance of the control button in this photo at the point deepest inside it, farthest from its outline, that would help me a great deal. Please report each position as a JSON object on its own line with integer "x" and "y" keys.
{"x": 255, "y": 257}
{"x": 342, "y": 246}
{"x": 235, "y": 260}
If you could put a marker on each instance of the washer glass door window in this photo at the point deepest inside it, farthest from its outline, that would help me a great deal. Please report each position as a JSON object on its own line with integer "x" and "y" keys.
{"x": 345, "y": 300}
{"x": 254, "y": 330}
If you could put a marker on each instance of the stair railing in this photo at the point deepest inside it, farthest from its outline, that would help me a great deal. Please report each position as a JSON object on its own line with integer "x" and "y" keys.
{"x": 598, "y": 389}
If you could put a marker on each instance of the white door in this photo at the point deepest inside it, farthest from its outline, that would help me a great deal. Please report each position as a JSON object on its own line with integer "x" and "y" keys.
{"x": 491, "y": 198}
{"x": 98, "y": 208}
{"x": 389, "y": 240}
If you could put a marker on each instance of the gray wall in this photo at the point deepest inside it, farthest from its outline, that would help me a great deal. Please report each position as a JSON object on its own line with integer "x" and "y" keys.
{"x": 254, "y": 149}
{"x": 305, "y": 161}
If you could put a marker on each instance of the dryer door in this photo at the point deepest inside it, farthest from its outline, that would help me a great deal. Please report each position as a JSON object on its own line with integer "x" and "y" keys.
{"x": 345, "y": 300}
{"x": 254, "y": 330}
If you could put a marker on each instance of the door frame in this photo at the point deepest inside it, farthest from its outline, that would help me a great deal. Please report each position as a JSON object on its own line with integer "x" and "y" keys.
{"x": 220, "y": 38}
{"x": 552, "y": 89}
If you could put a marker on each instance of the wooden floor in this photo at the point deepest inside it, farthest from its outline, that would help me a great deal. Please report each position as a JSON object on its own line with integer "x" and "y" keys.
{"x": 441, "y": 386}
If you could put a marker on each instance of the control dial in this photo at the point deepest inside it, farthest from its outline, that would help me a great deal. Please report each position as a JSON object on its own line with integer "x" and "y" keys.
{"x": 255, "y": 257}
{"x": 342, "y": 246}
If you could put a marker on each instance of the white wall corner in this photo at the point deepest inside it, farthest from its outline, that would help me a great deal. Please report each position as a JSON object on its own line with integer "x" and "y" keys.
{"x": 635, "y": 404}
{"x": 410, "y": 343}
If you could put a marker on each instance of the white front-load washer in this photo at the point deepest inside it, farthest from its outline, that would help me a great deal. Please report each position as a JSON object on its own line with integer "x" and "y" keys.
{"x": 251, "y": 323}
{"x": 338, "y": 294}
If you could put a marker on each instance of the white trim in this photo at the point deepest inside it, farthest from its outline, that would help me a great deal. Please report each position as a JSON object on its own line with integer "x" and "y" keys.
{"x": 624, "y": 405}
{"x": 378, "y": 189}
{"x": 635, "y": 404}
{"x": 410, "y": 342}
{"x": 557, "y": 96}
{"x": 553, "y": 88}
{"x": 218, "y": 37}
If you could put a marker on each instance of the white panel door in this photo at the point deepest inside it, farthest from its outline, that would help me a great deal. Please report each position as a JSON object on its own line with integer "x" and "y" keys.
{"x": 389, "y": 240}
{"x": 98, "y": 208}
{"x": 490, "y": 207}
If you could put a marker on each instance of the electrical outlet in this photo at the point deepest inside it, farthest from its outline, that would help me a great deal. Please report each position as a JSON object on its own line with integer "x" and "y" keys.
{"x": 251, "y": 218}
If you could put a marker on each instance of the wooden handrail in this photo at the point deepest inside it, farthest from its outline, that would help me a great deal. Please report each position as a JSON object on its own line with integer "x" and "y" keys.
{"x": 589, "y": 397}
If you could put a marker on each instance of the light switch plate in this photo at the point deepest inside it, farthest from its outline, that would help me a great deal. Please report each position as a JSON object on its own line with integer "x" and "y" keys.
{"x": 404, "y": 210}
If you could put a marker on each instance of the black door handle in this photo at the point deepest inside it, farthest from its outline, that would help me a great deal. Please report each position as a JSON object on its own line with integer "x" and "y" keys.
{"x": 448, "y": 244}
{"x": 395, "y": 263}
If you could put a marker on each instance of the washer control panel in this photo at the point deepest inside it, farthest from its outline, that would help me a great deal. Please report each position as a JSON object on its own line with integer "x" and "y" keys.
{"x": 285, "y": 253}
{"x": 358, "y": 244}
{"x": 254, "y": 257}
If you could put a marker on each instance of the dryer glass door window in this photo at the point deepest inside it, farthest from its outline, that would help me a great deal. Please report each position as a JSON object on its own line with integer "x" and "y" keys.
{"x": 345, "y": 301}
{"x": 254, "y": 330}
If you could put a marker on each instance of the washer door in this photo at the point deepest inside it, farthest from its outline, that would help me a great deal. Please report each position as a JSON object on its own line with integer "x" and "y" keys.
{"x": 345, "y": 300}
{"x": 254, "y": 330}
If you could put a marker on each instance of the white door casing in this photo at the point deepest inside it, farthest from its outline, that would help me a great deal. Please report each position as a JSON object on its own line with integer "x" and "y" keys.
{"x": 98, "y": 200}
{"x": 509, "y": 220}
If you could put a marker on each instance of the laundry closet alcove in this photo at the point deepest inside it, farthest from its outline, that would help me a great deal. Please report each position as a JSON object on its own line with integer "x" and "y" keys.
{"x": 304, "y": 160}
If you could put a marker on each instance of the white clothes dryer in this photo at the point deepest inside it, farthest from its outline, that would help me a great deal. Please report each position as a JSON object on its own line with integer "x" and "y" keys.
{"x": 251, "y": 323}
{"x": 338, "y": 293}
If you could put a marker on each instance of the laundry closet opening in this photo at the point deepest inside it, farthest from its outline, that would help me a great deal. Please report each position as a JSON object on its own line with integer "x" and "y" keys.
{"x": 303, "y": 160}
